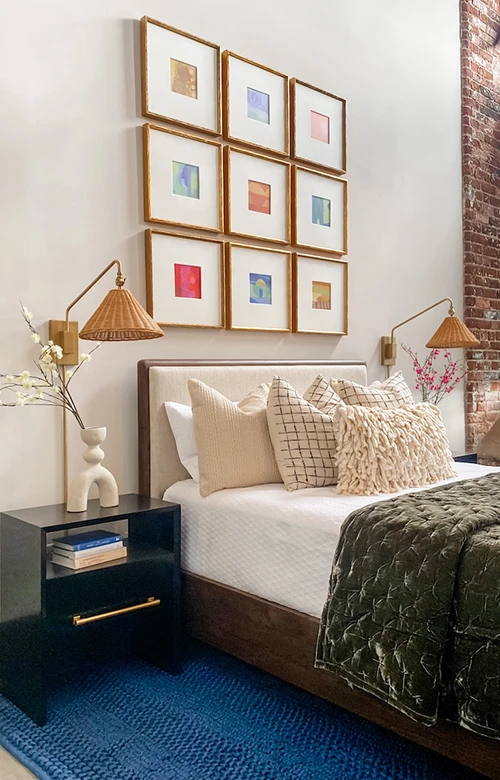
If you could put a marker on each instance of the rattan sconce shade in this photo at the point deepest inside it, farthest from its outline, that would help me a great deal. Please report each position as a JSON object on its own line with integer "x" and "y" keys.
{"x": 453, "y": 334}
{"x": 120, "y": 318}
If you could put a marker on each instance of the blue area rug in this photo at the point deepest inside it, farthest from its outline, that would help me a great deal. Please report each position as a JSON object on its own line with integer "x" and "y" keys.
{"x": 220, "y": 720}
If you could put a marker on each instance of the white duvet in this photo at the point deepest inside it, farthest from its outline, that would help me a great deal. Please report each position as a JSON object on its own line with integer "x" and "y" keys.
{"x": 269, "y": 542}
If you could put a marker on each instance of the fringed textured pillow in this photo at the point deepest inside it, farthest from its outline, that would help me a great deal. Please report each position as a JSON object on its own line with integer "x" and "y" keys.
{"x": 389, "y": 450}
{"x": 302, "y": 434}
{"x": 391, "y": 394}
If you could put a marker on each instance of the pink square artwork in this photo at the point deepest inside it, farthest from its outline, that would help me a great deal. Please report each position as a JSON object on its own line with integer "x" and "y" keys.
{"x": 320, "y": 127}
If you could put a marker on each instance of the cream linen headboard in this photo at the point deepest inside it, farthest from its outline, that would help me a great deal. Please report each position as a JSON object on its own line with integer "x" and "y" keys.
{"x": 166, "y": 380}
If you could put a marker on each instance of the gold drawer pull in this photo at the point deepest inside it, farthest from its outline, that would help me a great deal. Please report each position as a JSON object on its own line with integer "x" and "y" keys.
{"x": 151, "y": 602}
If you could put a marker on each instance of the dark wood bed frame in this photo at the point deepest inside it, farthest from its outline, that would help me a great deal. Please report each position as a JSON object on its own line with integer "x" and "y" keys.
{"x": 282, "y": 641}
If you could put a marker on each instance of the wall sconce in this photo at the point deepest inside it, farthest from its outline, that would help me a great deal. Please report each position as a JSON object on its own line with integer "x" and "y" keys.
{"x": 451, "y": 334}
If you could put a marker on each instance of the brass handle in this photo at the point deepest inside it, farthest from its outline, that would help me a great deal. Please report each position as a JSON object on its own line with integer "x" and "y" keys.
{"x": 151, "y": 602}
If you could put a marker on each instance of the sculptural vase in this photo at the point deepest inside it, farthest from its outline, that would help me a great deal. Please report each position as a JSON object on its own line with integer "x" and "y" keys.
{"x": 93, "y": 472}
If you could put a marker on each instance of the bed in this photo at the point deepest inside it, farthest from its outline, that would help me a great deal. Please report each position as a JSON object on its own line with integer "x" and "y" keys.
{"x": 237, "y": 604}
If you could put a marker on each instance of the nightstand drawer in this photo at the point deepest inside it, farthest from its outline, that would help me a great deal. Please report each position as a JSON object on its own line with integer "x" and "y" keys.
{"x": 104, "y": 589}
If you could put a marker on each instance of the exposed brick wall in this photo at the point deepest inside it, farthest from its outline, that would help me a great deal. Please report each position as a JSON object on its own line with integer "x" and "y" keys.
{"x": 481, "y": 204}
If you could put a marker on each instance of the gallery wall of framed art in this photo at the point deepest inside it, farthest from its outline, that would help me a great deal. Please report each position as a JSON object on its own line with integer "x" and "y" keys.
{"x": 251, "y": 158}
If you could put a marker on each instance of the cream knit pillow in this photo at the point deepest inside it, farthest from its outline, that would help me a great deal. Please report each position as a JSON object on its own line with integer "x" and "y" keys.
{"x": 389, "y": 450}
{"x": 234, "y": 448}
{"x": 391, "y": 394}
{"x": 302, "y": 435}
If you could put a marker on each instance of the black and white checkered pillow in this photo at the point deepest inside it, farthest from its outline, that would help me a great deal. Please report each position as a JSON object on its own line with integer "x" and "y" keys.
{"x": 302, "y": 435}
{"x": 391, "y": 394}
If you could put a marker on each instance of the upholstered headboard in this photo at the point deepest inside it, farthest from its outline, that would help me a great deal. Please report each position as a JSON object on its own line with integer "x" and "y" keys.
{"x": 166, "y": 380}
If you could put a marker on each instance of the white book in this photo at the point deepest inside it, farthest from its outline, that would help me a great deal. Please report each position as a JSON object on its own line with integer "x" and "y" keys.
{"x": 89, "y": 560}
{"x": 85, "y": 553}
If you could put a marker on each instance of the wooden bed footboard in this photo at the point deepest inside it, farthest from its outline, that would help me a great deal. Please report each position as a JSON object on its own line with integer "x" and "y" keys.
{"x": 282, "y": 642}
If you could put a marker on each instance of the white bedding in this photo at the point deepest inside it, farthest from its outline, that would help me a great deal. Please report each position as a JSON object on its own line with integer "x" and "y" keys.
{"x": 264, "y": 540}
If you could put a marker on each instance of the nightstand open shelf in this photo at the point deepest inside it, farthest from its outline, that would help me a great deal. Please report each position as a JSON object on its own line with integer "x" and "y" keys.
{"x": 137, "y": 553}
{"x": 38, "y": 598}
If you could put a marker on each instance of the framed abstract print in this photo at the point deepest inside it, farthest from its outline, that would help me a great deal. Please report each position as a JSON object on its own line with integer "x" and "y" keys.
{"x": 258, "y": 288}
{"x": 182, "y": 179}
{"x": 319, "y": 295}
{"x": 180, "y": 77}
{"x": 318, "y": 121}
{"x": 185, "y": 280}
{"x": 319, "y": 211}
{"x": 255, "y": 104}
{"x": 257, "y": 196}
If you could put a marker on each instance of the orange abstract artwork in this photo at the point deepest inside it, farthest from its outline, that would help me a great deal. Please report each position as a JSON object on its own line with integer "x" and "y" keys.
{"x": 183, "y": 78}
{"x": 259, "y": 197}
{"x": 322, "y": 295}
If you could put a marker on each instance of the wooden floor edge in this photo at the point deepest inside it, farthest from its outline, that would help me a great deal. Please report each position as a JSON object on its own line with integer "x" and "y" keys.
{"x": 282, "y": 641}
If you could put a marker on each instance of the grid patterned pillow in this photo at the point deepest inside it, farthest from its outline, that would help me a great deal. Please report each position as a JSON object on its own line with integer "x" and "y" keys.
{"x": 322, "y": 395}
{"x": 391, "y": 394}
{"x": 302, "y": 436}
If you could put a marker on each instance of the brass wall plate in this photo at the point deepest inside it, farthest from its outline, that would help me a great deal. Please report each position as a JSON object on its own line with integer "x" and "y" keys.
{"x": 68, "y": 340}
{"x": 387, "y": 361}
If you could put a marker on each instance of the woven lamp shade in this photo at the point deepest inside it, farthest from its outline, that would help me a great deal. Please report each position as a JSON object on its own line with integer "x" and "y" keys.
{"x": 453, "y": 333}
{"x": 120, "y": 318}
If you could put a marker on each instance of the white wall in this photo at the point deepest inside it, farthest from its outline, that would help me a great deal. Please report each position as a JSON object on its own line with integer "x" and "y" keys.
{"x": 71, "y": 189}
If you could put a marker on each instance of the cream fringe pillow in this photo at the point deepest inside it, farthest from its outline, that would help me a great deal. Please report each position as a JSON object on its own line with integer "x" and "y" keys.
{"x": 389, "y": 450}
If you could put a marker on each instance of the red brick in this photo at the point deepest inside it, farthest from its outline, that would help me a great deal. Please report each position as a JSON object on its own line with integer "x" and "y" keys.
{"x": 481, "y": 209}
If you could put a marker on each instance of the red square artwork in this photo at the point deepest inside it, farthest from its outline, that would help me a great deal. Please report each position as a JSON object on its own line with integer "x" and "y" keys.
{"x": 187, "y": 281}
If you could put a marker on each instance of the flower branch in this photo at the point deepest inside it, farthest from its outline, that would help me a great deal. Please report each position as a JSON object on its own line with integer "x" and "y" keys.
{"x": 47, "y": 385}
{"x": 434, "y": 384}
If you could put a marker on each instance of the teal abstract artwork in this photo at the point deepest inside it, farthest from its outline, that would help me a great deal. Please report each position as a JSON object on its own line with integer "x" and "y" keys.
{"x": 321, "y": 211}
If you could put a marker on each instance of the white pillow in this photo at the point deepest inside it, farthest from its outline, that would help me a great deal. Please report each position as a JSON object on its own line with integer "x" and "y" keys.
{"x": 180, "y": 418}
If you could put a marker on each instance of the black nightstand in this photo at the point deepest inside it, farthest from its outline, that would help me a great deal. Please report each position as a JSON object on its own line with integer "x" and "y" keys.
{"x": 465, "y": 457}
{"x": 39, "y": 598}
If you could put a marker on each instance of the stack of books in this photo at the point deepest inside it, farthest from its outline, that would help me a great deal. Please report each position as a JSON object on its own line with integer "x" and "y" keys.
{"x": 88, "y": 549}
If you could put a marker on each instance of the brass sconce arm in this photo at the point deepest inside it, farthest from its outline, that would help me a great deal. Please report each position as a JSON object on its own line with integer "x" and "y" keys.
{"x": 65, "y": 333}
{"x": 120, "y": 281}
{"x": 451, "y": 313}
{"x": 388, "y": 343}
{"x": 451, "y": 334}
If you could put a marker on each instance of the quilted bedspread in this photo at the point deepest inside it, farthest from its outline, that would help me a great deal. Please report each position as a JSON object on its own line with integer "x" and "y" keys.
{"x": 413, "y": 610}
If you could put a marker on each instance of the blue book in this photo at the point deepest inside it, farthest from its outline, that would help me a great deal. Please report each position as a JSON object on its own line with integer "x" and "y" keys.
{"x": 87, "y": 540}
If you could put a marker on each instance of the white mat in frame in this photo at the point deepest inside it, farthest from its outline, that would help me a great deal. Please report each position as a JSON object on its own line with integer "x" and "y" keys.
{"x": 318, "y": 122}
{"x": 182, "y": 179}
{"x": 180, "y": 77}
{"x": 257, "y": 196}
{"x": 256, "y": 104}
{"x": 259, "y": 288}
{"x": 319, "y": 211}
{"x": 185, "y": 280}
{"x": 320, "y": 295}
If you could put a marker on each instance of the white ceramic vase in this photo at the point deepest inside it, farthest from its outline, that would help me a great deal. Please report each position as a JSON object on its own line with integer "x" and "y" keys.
{"x": 78, "y": 492}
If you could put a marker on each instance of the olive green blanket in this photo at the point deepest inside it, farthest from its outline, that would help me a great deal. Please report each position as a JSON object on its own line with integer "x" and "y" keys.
{"x": 413, "y": 610}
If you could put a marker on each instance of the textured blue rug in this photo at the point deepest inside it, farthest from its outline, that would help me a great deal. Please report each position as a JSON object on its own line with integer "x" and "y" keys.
{"x": 220, "y": 720}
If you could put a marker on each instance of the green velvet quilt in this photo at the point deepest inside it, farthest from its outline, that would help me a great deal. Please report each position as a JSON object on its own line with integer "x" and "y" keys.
{"x": 413, "y": 610}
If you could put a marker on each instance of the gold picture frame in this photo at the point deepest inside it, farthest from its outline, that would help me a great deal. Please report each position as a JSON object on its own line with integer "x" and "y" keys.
{"x": 228, "y": 150}
{"x": 318, "y": 247}
{"x": 149, "y": 234}
{"x": 293, "y": 127}
{"x": 148, "y": 216}
{"x": 145, "y": 65}
{"x": 226, "y": 98}
{"x": 345, "y": 297}
{"x": 230, "y": 246}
